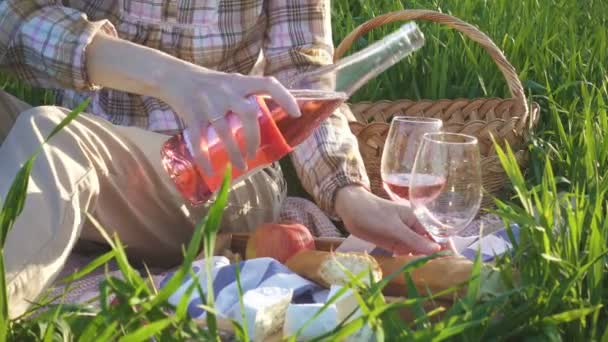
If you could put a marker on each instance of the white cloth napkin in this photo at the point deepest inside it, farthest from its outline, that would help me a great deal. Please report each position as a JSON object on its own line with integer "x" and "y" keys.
{"x": 490, "y": 245}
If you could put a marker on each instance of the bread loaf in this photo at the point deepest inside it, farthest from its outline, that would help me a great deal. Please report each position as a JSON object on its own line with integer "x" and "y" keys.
{"x": 324, "y": 267}
{"x": 435, "y": 275}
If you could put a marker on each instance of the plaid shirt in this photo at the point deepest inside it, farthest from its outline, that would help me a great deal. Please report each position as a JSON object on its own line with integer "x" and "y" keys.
{"x": 44, "y": 43}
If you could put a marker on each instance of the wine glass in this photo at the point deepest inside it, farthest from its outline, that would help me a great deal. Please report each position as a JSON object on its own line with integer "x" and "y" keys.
{"x": 400, "y": 150}
{"x": 446, "y": 183}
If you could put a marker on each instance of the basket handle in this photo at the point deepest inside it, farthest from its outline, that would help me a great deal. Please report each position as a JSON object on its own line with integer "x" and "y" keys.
{"x": 508, "y": 71}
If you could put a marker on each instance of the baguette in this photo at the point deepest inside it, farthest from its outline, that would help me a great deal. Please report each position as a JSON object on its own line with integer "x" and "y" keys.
{"x": 324, "y": 268}
{"x": 434, "y": 276}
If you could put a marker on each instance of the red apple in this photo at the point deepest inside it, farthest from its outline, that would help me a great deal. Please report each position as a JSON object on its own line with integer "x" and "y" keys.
{"x": 279, "y": 241}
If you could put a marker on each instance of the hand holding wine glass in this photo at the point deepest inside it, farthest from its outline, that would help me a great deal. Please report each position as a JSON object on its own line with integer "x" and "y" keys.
{"x": 454, "y": 159}
{"x": 399, "y": 153}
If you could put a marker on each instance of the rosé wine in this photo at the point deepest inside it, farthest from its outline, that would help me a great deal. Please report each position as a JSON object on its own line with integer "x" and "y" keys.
{"x": 398, "y": 187}
{"x": 279, "y": 133}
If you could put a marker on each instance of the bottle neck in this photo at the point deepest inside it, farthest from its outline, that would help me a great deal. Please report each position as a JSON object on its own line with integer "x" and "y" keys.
{"x": 351, "y": 73}
{"x": 358, "y": 69}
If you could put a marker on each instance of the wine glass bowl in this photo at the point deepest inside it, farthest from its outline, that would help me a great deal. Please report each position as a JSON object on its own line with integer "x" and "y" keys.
{"x": 399, "y": 152}
{"x": 446, "y": 183}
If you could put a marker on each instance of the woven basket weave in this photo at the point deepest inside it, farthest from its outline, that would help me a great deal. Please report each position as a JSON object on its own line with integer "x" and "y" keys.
{"x": 507, "y": 120}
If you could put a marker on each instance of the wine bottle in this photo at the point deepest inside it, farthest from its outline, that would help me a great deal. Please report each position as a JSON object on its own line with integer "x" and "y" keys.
{"x": 318, "y": 93}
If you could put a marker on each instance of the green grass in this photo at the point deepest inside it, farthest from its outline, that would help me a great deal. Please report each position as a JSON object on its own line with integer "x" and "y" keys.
{"x": 559, "y": 48}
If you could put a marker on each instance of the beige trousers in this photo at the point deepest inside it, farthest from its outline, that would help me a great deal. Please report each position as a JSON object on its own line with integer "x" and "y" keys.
{"x": 115, "y": 174}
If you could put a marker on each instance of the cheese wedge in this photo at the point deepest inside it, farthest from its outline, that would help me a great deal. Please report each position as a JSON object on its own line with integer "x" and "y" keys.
{"x": 298, "y": 314}
{"x": 265, "y": 309}
{"x": 346, "y": 303}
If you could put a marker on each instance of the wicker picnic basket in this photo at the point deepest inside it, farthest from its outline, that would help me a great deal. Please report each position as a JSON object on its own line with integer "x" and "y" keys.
{"x": 507, "y": 120}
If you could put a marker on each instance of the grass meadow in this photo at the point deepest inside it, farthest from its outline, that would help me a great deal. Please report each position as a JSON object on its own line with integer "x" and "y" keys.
{"x": 556, "y": 280}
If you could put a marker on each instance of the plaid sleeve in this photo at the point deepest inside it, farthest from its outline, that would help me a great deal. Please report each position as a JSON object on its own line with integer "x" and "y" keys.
{"x": 299, "y": 38}
{"x": 44, "y": 43}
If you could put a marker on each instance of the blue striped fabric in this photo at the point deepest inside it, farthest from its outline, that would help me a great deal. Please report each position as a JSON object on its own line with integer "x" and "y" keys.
{"x": 254, "y": 273}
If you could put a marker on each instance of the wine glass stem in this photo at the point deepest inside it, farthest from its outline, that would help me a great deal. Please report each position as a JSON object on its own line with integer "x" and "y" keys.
{"x": 442, "y": 240}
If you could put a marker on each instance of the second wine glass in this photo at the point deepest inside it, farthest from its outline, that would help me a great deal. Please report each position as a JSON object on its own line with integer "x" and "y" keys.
{"x": 454, "y": 161}
{"x": 399, "y": 153}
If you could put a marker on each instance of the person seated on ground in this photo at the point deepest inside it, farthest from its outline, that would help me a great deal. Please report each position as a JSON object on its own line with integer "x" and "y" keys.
{"x": 152, "y": 68}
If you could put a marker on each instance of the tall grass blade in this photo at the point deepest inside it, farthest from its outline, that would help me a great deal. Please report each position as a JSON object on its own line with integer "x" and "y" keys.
{"x": 242, "y": 331}
{"x": 212, "y": 225}
{"x": 571, "y": 315}
{"x": 98, "y": 262}
{"x": 147, "y": 331}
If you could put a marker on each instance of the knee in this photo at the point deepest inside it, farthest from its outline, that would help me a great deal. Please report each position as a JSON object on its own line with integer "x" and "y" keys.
{"x": 41, "y": 114}
{"x": 43, "y": 119}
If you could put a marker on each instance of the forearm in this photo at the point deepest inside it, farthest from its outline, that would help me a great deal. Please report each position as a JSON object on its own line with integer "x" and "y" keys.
{"x": 119, "y": 64}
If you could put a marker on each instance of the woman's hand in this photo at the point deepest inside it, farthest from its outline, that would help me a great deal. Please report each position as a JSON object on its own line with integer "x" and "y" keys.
{"x": 387, "y": 224}
{"x": 200, "y": 96}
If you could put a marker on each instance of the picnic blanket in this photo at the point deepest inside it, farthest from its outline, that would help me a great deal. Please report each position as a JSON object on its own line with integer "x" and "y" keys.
{"x": 266, "y": 272}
